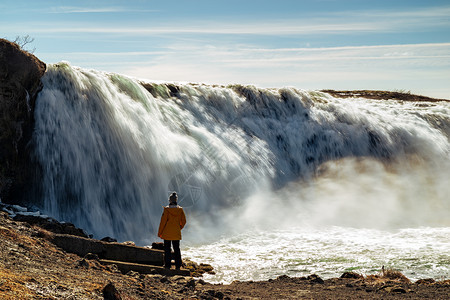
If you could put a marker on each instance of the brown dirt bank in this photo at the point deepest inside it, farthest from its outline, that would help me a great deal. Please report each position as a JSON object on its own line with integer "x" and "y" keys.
{"x": 381, "y": 95}
{"x": 33, "y": 268}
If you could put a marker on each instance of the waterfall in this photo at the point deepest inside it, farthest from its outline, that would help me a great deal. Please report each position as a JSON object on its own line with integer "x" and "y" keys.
{"x": 111, "y": 149}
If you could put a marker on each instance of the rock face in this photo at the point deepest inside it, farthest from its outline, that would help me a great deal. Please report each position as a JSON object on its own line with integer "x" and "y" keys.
{"x": 20, "y": 74}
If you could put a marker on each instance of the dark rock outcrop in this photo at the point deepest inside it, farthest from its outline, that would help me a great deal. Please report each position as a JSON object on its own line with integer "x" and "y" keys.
{"x": 20, "y": 74}
{"x": 51, "y": 225}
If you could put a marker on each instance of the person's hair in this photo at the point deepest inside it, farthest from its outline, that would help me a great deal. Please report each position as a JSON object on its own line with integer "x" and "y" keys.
{"x": 173, "y": 197}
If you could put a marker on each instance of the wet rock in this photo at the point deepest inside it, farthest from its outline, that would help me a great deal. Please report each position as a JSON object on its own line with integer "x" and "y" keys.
{"x": 351, "y": 275}
{"x": 20, "y": 74}
{"x": 197, "y": 270}
{"x": 110, "y": 292}
{"x": 206, "y": 268}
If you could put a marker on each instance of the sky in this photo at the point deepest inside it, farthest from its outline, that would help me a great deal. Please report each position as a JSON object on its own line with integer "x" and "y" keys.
{"x": 391, "y": 45}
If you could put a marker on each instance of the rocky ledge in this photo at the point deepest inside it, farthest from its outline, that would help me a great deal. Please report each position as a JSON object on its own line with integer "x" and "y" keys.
{"x": 382, "y": 95}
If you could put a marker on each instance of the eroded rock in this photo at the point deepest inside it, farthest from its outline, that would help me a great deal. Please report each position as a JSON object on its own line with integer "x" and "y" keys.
{"x": 20, "y": 74}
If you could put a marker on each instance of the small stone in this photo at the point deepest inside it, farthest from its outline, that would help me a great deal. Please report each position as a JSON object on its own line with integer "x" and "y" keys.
{"x": 91, "y": 256}
{"x": 282, "y": 277}
{"x": 394, "y": 289}
{"x": 315, "y": 279}
{"x": 398, "y": 290}
{"x": 178, "y": 277}
{"x": 108, "y": 239}
{"x": 164, "y": 279}
{"x": 191, "y": 283}
{"x": 154, "y": 276}
{"x": 113, "y": 268}
{"x": 133, "y": 274}
{"x": 83, "y": 263}
{"x": 111, "y": 293}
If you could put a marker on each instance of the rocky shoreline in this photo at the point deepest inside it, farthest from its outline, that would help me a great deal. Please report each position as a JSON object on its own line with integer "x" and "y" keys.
{"x": 32, "y": 267}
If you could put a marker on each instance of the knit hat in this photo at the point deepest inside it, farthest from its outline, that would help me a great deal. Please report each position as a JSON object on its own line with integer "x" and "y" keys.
{"x": 173, "y": 197}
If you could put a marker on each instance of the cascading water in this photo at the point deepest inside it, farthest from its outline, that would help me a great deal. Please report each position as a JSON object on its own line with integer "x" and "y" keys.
{"x": 243, "y": 160}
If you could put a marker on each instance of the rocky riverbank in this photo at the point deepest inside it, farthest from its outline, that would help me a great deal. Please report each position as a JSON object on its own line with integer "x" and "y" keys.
{"x": 31, "y": 267}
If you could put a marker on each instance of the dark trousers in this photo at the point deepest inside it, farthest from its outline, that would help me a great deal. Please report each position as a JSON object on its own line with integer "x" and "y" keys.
{"x": 168, "y": 253}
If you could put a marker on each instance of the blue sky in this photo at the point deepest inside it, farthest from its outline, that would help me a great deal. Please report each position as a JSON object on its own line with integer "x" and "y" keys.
{"x": 312, "y": 44}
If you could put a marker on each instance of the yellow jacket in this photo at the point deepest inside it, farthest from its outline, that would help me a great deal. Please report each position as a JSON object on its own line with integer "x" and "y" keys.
{"x": 172, "y": 221}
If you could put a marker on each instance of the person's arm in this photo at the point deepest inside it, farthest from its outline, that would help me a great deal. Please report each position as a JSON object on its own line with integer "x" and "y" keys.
{"x": 162, "y": 223}
{"x": 183, "y": 219}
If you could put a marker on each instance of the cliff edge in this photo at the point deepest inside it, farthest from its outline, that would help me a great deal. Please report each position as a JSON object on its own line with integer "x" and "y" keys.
{"x": 20, "y": 74}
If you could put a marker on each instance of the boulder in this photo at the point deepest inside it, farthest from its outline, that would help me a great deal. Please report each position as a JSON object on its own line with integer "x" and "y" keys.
{"x": 20, "y": 74}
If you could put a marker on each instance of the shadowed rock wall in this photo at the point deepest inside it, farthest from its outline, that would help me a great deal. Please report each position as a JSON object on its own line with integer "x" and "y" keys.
{"x": 20, "y": 74}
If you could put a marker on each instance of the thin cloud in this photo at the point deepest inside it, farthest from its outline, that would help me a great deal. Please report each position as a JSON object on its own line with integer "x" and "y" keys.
{"x": 262, "y": 29}
{"x": 75, "y": 9}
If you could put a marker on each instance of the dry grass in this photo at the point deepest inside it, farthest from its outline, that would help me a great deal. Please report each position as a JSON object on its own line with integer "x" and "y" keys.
{"x": 13, "y": 285}
{"x": 395, "y": 275}
{"x": 387, "y": 274}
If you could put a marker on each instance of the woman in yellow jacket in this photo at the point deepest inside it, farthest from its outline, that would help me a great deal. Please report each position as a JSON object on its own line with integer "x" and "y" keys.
{"x": 173, "y": 220}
